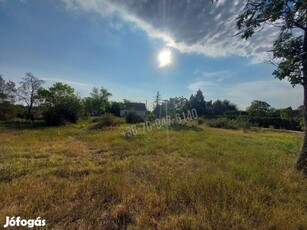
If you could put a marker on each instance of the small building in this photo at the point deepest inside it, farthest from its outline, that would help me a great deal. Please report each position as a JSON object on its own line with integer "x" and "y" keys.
{"x": 4, "y": 100}
{"x": 139, "y": 108}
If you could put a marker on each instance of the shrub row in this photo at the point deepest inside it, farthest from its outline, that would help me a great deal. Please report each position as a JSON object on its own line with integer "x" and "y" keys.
{"x": 246, "y": 123}
{"x": 277, "y": 123}
{"x": 225, "y": 123}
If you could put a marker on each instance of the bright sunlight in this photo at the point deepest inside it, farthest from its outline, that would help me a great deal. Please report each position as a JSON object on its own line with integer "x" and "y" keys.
{"x": 165, "y": 58}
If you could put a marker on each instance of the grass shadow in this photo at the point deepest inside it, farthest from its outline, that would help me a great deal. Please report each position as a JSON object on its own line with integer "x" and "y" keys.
{"x": 23, "y": 124}
{"x": 183, "y": 127}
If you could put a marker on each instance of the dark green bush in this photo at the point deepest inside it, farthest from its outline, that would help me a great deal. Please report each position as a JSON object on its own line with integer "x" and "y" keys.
{"x": 68, "y": 110}
{"x": 108, "y": 120}
{"x": 277, "y": 123}
{"x": 132, "y": 118}
{"x": 200, "y": 121}
{"x": 150, "y": 117}
{"x": 7, "y": 111}
{"x": 264, "y": 122}
{"x": 95, "y": 119}
{"x": 60, "y": 104}
{"x": 225, "y": 123}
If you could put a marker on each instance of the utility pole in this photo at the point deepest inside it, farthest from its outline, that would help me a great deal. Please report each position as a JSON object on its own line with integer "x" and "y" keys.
{"x": 165, "y": 101}
{"x": 157, "y": 101}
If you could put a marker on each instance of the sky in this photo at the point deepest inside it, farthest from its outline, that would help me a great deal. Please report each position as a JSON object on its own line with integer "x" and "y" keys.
{"x": 115, "y": 44}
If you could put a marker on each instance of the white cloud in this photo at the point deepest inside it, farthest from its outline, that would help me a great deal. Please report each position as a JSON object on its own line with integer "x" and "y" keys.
{"x": 204, "y": 77}
{"x": 216, "y": 75}
{"x": 73, "y": 83}
{"x": 188, "y": 26}
{"x": 193, "y": 87}
{"x": 82, "y": 89}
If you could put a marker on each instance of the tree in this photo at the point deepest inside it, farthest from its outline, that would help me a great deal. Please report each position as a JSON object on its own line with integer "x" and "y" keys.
{"x": 7, "y": 90}
{"x": 228, "y": 106}
{"x": 116, "y": 107}
{"x": 258, "y": 109}
{"x": 198, "y": 102}
{"x": 98, "y": 102}
{"x": 60, "y": 104}
{"x": 290, "y": 48}
{"x": 2, "y": 88}
{"x": 286, "y": 113}
{"x": 172, "y": 106}
{"x": 181, "y": 105}
{"x": 28, "y": 91}
{"x": 220, "y": 107}
{"x": 7, "y": 99}
{"x": 300, "y": 111}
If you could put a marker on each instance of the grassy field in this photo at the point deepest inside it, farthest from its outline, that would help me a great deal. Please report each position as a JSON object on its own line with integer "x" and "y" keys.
{"x": 184, "y": 178}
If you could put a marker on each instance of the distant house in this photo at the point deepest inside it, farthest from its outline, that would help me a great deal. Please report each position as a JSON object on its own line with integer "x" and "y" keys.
{"x": 4, "y": 100}
{"x": 139, "y": 108}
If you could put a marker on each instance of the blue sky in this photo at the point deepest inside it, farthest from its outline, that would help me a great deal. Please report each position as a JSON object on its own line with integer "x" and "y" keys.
{"x": 115, "y": 44}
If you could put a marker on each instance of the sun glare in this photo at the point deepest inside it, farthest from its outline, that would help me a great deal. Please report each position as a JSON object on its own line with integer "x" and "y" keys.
{"x": 165, "y": 58}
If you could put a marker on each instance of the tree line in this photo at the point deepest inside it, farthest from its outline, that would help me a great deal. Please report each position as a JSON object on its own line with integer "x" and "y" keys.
{"x": 60, "y": 104}
{"x": 259, "y": 113}
{"x": 57, "y": 104}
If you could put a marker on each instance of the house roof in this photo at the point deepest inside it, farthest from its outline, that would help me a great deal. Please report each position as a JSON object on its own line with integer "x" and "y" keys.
{"x": 135, "y": 106}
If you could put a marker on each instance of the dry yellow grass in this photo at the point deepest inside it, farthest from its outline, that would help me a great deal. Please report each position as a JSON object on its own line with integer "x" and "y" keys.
{"x": 203, "y": 178}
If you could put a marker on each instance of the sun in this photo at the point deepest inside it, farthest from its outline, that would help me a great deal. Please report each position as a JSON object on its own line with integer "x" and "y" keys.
{"x": 165, "y": 58}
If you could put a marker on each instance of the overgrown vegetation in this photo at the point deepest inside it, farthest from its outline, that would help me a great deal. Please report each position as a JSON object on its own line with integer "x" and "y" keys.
{"x": 133, "y": 118}
{"x": 226, "y": 123}
{"x": 200, "y": 121}
{"x": 60, "y": 105}
{"x": 164, "y": 179}
{"x": 278, "y": 123}
{"x": 106, "y": 121}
